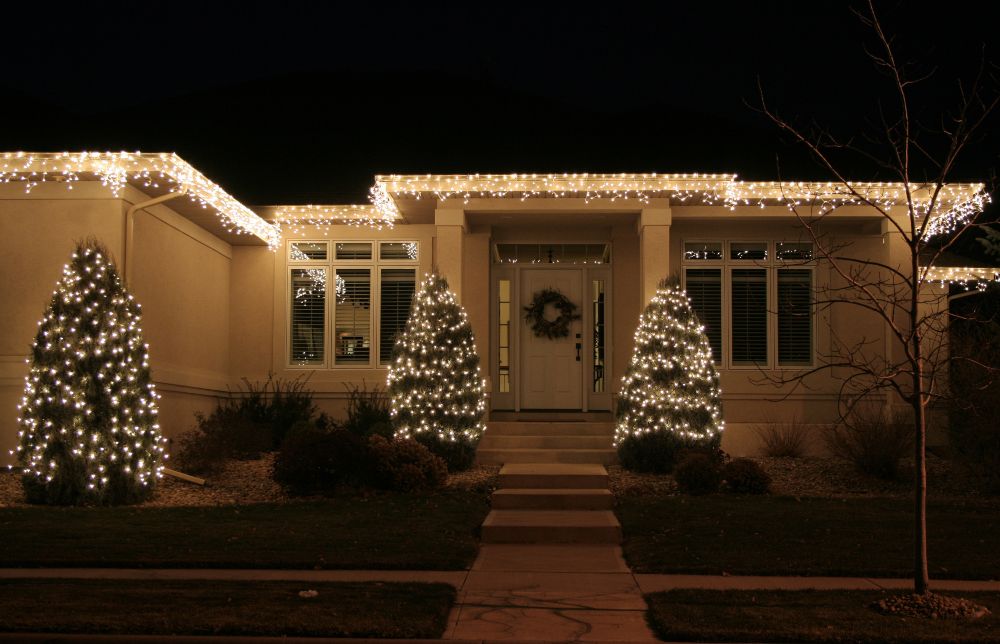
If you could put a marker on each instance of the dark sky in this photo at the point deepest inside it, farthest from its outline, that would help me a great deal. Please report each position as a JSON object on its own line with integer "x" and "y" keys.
{"x": 288, "y": 102}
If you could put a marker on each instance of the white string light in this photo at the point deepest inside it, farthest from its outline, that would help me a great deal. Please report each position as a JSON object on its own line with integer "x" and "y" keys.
{"x": 116, "y": 169}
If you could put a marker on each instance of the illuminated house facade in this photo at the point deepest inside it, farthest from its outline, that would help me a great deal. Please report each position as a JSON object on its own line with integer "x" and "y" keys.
{"x": 230, "y": 291}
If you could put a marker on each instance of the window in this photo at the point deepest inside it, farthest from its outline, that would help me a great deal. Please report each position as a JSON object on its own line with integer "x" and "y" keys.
{"x": 348, "y": 302}
{"x": 756, "y": 305}
{"x": 398, "y": 285}
{"x": 704, "y": 289}
{"x": 748, "y": 316}
{"x": 308, "y": 323}
{"x": 795, "y": 316}
{"x": 503, "y": 336}
{"x": 552, "y": 253}
{"x": 600, "y": 329}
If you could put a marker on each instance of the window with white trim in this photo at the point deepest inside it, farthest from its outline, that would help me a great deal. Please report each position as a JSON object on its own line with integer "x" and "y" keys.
{"x": 755, "y": 304}
{"x": 348, "y": 301}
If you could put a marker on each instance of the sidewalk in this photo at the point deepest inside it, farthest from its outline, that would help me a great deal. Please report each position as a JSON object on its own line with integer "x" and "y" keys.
{"x": 517, "y": 592}
{"x": 647, "y": 583}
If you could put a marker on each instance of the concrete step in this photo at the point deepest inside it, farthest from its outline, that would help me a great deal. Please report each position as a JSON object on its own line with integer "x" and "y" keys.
{"x": 493, "y": 441}
{"x": 552, "y": 499}
{"x": 553, "y": 476}
{"x": 501, "y": 456}
{"x": 551, "y": 526}
{"x": 537, "y": 428}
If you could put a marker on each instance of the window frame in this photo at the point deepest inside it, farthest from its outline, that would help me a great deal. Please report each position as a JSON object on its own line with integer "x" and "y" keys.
{"x": 772, "y": 265}
{"x": 331, "y": 264}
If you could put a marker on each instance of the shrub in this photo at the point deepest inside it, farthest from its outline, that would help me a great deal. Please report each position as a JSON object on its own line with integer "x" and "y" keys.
{"x": 222, "y": 435}
{"x": 406, "y": 465}
{"x": 698, "y": 473}
{"x": 873, "y": 442}
{"x": 434, "y": 379}
{"x": 87, "y": 430}
{"x": 316, "y": 461}
{"x": 276, "y": 403}
{"x": 783, "y": 440}
{"x": 672, "y": 361}
{"x": 973, "y": 428}
{"x": 654, "y": 452}
{"x": 368, "y": 412}
{"x": 457, "y": 455}
{"x": 745, "y": 476}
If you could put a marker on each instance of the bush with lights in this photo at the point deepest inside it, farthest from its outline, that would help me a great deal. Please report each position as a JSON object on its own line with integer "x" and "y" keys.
{"x": 438, "y": 395}
{"x": 670, "y": 398}
{"x": 88, "y": 419}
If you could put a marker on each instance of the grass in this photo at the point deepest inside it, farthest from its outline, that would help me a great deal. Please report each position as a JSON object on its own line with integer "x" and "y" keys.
{"x": 805, "y": 616}
{"x": 370, "y": 609}
{"x": 387, "y": 532}
{"x": 811, "y": 536}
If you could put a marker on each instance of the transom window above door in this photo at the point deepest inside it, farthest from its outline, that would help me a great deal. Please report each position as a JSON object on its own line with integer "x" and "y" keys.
{"x": 552, "y": 254}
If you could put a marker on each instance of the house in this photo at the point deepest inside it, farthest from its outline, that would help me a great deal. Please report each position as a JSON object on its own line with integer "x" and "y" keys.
{"x": 231, "y": 291}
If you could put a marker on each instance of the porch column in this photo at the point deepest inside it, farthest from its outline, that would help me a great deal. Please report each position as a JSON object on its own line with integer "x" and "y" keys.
{"x": 451, "y": 228}
{"x": 654, "y": 249}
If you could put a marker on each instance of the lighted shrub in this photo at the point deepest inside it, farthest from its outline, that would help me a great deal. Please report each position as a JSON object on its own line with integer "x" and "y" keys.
{"x": 745, "y": 476}
{"x": 405, "y": 465}
{"x": 698, "y": 473}
{"x": 88, "y": 430}
{"x": 434, "y": 381}
{"x": 317, "y": 461}
{"x": 670, "y": 396}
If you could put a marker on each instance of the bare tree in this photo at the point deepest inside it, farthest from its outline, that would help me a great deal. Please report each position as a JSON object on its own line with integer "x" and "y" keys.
{"x": 921, "y": 216}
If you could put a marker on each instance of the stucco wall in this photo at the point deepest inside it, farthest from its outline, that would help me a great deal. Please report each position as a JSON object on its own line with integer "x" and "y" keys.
{"x": 39, "y": 231}
{"x": 181, "y": 278}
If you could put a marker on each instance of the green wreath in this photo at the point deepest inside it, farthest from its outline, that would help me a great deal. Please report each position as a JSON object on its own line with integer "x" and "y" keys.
{"x": 534, "y": 314}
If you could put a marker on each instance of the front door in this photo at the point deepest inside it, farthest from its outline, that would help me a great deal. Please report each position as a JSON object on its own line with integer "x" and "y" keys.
{"x": 552, "y": 369}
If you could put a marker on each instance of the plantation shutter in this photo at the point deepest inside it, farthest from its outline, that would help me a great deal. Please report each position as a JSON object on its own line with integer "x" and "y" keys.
{"x": 308, "y": 323}
{"x": 352, "y": 316}
{"x": 704, "y": 289}
{"x": 398, "y": 285}
{"x": 794, "y": 316}
{"x": 748, "y": 313}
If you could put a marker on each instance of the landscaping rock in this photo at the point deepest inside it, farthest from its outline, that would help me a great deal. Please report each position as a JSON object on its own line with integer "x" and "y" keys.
{"x": 930, "y": 606}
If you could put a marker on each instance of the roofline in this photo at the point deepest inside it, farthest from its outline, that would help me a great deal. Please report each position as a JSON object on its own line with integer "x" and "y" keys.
{"x": 145, "y": 170}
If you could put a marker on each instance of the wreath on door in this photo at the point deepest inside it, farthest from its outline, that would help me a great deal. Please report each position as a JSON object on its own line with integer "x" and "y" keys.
{"x": 534, "y": 314}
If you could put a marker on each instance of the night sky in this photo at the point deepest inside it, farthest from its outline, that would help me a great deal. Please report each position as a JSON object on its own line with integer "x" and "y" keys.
{"x": 304, "y": 102}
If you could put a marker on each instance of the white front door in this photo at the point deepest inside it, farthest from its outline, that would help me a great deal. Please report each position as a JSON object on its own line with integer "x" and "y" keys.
{"x": 552, "y": 369}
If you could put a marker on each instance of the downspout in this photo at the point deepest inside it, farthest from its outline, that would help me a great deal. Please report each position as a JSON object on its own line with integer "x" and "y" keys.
{"x": 127, "y": 270}
{"x": 130, "y": 228}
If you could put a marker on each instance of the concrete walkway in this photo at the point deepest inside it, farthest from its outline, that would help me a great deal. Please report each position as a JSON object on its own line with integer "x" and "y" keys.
{"x": 647, "y": 583}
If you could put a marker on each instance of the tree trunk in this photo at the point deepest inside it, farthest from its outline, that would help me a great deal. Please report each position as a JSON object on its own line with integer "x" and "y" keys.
{"x": 920, "y": 577}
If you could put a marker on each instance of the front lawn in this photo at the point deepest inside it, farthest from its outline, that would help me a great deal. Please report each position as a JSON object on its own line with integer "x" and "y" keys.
{"x": 805, "y": 616}
{"x": 385, "y": 531}
{"x": 743, "y": 535}
{"x": 397, "y": 610}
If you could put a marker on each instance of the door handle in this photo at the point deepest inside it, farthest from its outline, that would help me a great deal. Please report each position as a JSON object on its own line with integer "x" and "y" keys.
{"x": 578, "y": 346}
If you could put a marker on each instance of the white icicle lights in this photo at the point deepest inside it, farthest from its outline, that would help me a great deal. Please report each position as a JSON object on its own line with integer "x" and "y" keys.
{"x": 88, "y": 419}
{"x": 671, "y": 384}
{"x": 434, "y": 380}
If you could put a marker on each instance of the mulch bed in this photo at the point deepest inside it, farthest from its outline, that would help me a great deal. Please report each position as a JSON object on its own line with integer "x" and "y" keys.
{"x": 819, "y": 477}
{"x": 240, "y": 483}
